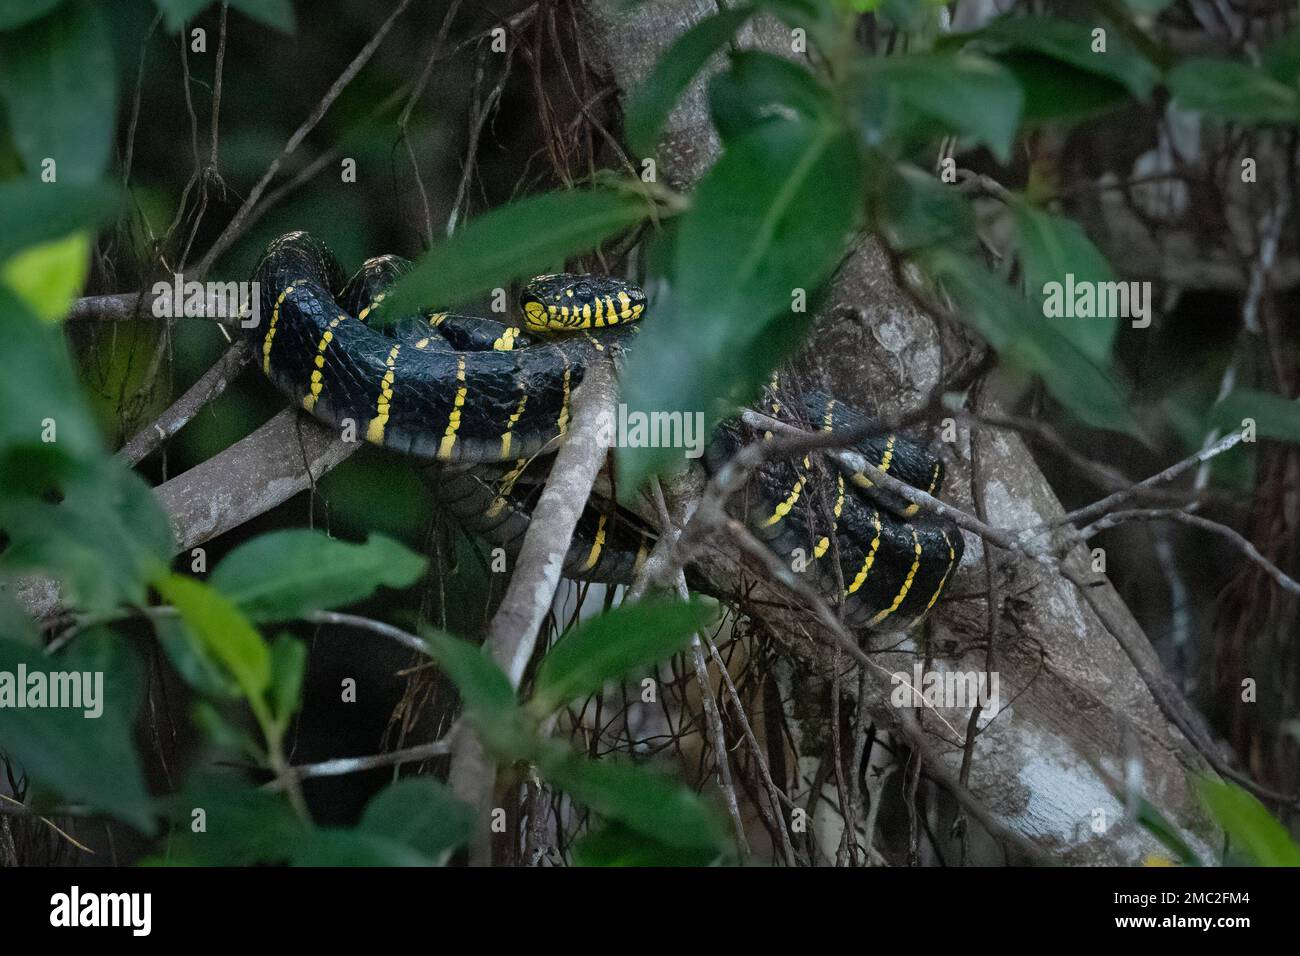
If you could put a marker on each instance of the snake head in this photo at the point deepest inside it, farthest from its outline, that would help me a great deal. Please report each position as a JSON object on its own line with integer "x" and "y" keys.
{"x": 566, "y": 302}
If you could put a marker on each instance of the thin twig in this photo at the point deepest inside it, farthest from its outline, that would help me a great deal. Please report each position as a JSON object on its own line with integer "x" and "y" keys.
{"x": 718, "y": 740}
{"x": 218, "y": 71}
{"x": 211, "y": 384}
{"x": 773, "y": 795}
{"x": 126, "y": 306}
{"x": 404, "y": 119}
{"x": 345, "y": 765}
{"x": 405, "y": 638}
{"x": 24, "y": 810}
{"x": 235, "y": 227}
{"x": 1240, "y": 541}
{"x": 713, "y": 719}
{"x": 979, "y": 496}
{"x": 1098, "y": 508}
{"x": 135, "y": 102}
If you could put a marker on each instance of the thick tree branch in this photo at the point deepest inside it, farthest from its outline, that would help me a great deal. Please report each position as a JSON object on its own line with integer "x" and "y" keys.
{"x": 252, "y": 476}
{"x": 127, "y": 306}
{"x": 512, "y": 635}
{"x": 255, "y": 474}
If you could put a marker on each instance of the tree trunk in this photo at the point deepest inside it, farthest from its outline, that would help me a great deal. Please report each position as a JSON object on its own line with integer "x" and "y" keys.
{"x": 1076, "y": 713}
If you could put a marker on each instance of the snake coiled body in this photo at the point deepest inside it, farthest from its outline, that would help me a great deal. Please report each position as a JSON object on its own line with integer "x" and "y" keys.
{"x": 406, "y": 393}
{"x": 489, "y": 400}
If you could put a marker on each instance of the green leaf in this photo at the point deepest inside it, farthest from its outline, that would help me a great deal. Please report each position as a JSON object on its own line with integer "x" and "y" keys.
{"x": 965, "y": 94}
{"x": 85, "y": 759}
{"x": 224, "y": 734}
{"x": 104, "y": 540}
{"x": 1281, "y": 59}
{"x": 1058, "y": 92}
{"x": 288, "y": 574}
{"x": 288, "y": 666}
{"x": 1235, "y": 92}
{"x": 649, "y": 105}
{"x": 48, "y": 276}
{"x": 489, "y": 699}
{"x": 194, "y": 660}
{"x": 14, "y": 13}
{"x": 613, "y": 644}
{"x": 1052, "y": 248}
{"x": 332, "y": 847}
{"x": 419, "y": 813}
{"x": 762, "y": 88}
{"x": 1155, "y": 822}
{"x": 16, "y": 624}
{"x": 772, "y": 215}
{"x": 39, "y": 392}
{"x": 1275, "y": 416}
{"x": 640, "y": 798}
{"x": 275, "y": 13}
{"x": 33, "y": 213}
{"x": 220, "y": 626}
{"x": 241, "y": 825}
{"x": 918, "y": 211}
{"x": 617, "y": 845}
{"x": 769, "y": 223}
{"x": 482, "y": 684}
{"x": 1030, "y": 341}
{"x": 1248, "y": 823}
{"x": 519, "y": 240}
{"x": 59, "y": 83}
{"x": 1067, "y": 42}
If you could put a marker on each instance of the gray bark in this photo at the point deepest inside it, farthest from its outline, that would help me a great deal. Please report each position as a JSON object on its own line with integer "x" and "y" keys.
{"x": 257, "y": 473}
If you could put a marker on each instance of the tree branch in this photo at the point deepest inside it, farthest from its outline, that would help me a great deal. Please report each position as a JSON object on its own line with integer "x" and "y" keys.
{"x": 255, "y": 474}
{"x": 512, "y": 634}
{"x": 209, "y": 385}
{"x": 1238, "y": 540}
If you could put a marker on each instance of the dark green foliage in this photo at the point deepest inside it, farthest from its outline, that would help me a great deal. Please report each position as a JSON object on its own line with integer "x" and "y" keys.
{"x": 816, "y": 148}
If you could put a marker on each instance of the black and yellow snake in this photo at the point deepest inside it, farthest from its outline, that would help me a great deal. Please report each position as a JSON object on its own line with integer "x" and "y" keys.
{"x": 488, "y": 400}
